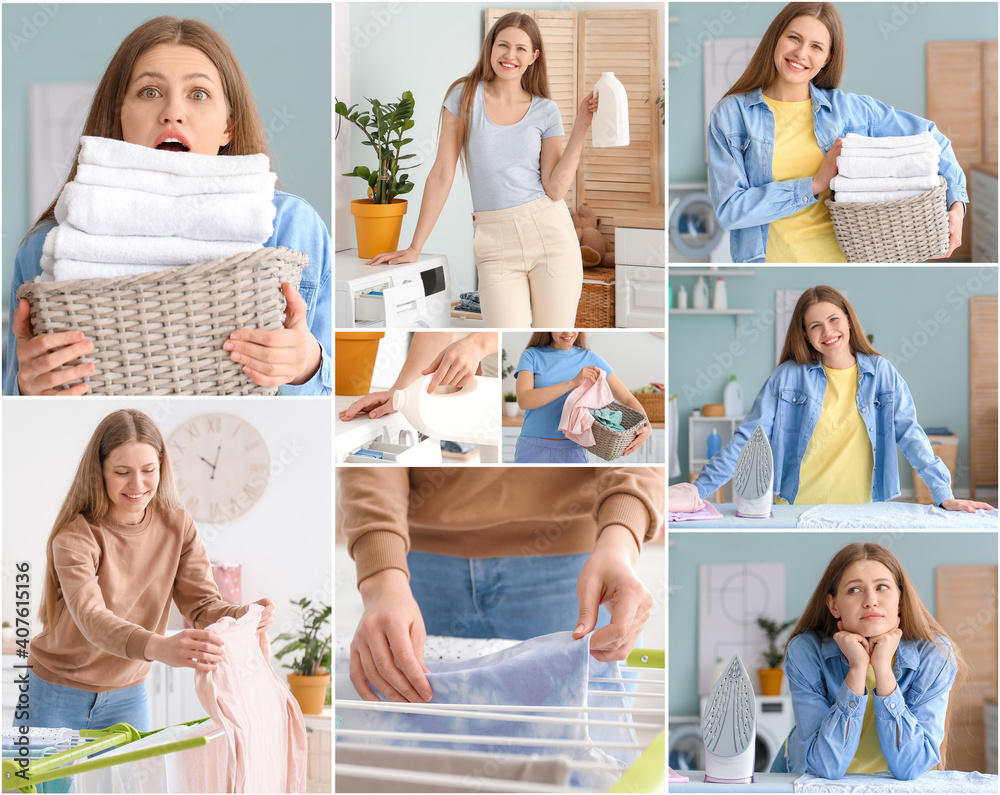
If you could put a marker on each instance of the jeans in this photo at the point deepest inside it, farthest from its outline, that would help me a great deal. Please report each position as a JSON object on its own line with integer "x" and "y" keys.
{"x": 515, "y": 598}
{"x": 538, "y": 450}
{"x": 60, "y": 707}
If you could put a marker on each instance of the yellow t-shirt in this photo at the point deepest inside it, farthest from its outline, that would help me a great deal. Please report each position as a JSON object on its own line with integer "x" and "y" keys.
{"x": 837, "y": 465}
{"x": 868, "y": 758}
{"x": 805, "y": 236}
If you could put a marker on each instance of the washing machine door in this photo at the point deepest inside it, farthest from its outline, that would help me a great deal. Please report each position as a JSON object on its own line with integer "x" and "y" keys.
{"x": 687, "y": 748}
{"x": 694, "y": 230}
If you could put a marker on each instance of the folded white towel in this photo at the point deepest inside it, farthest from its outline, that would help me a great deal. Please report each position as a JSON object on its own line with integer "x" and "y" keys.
{"x": 98, "y": 210}
{"x": 68, "y": 242}
{"x": 919, "y": 165}
{"x": 875, "y": 195}
{"x": 66, "y": 269}
{"x": 902, "y": 151}
{"x": 118, "y": 154}
{"x": 855, "y": 141}
{"x": 840, "y": 183}
{"x": 172, "y": 184}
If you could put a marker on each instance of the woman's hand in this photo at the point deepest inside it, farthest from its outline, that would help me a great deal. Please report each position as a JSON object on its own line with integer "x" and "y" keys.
{"x": 374, "y": 404}
{"x": 856, "y": 648}
{"x": 456, "y": 365}
{"x": 641, "y": 435}
{"x": 970, "y": 506}
{"x": 882, "y": 648}
{"x": 40, "y": 357}
{"x": 191, "y": 648}
{"x": 266, "y": 618}
{"x": 388, "y": 646}
{"x": 588, "y": 374}
{"x": 608, "y": 578}
{"x": 827, "y": 169}
{"x": 956, "y": 218}
{"x": 396, "y": 257}
{"x": 284, "y": 356}
{"x": 588, "y": 108}
{"x": 683, "y": 498}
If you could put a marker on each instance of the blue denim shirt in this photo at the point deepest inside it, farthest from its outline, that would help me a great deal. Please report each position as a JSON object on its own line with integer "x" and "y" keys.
{"x": 828, "y": 715}
{"x": 741, "y": 149}
{"x": 296, "y": 226}
{"x": 788, "y": 408}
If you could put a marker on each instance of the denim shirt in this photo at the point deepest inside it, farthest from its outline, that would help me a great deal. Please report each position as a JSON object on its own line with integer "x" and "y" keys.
{"x": 788, "y": 408}
{"x": 741, "y": 149}
{"x": 828, "y": 714}
{"x": 296, "y": 226}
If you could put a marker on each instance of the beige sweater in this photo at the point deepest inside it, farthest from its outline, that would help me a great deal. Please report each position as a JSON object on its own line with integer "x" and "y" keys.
{"x": 487, "y": 512}
{"x": 116, "y": 582}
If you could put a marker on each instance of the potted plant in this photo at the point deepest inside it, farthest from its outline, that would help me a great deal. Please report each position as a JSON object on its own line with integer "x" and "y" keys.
{"x": 310, "y": 675}
{"x": 770, "y": 677}
{"x": 379, "y": 218}
{"x": 510, "y": 407}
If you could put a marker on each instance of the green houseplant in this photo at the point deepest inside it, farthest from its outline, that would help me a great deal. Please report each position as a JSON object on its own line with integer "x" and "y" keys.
{"x": 510, "y": 406}
{"x": 310, "y": 675}
{"x": 379, "y": 218}
{"x": 770, "y": 677}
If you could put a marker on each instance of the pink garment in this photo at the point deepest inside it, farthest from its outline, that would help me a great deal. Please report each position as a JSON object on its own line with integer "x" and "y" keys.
{"x": 707, "y": 511}
{"x": 576, "y": 420}
{"x": 265, "y": 731}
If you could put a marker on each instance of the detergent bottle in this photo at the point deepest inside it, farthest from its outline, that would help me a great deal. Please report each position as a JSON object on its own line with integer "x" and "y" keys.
{"x": 610, "y": 125}
{"x": 719, "y": 299}
{"x": 459, "y": 414}
{"x": 700, "y": 299}
{"x": 732, "y": 398}
{"x": 714, "y": 443}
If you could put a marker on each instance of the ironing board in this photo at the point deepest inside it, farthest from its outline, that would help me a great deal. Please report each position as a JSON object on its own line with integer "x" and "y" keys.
{"x": 785, "y": 517}
{"x": 762, "y": 782}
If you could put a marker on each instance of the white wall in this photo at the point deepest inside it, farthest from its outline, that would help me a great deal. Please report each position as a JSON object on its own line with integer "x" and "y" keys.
{"x": 283, "y": 542}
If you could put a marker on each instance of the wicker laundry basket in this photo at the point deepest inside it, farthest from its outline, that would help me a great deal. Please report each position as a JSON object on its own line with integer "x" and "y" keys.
{"x": 905, "y": 230}
{"x": 653, "y": 403}
{"x": 162, "y": 333}
{"x": 610, "y": 444}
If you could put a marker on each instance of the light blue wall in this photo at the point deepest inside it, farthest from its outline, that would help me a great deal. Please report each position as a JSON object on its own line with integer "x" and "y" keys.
{"x": 918, "y": 315}
{"x": 885, "y": 57}
{"x": 284, "y": 50}
{"x": 805, "y": 556}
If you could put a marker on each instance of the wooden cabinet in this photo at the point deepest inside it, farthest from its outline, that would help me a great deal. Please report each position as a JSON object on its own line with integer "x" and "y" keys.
{"x": 983, "y": 212}
{"x": 982, "y": 392}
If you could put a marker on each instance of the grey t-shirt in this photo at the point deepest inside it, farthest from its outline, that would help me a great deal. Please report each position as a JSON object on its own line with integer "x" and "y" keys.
{"x": 505, "y": 160}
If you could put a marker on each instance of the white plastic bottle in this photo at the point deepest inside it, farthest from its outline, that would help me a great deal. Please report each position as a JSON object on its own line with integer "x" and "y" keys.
{"x": 610, "y": 125}
{"x": 467, "y": 414}
{"x": 732, "y": 398}
{"x": 682, "y": 298}
{"x": 700, "y": 299}
{"x": 719, "y": 300}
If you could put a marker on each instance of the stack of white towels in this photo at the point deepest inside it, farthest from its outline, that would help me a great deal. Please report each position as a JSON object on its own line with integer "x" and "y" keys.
{"x": 132, "y": 209}
{"x": 885, "y": 169}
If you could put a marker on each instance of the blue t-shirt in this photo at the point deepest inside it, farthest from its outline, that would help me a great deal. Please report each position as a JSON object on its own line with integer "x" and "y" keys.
{"x": 505, "y": 161}
{"x": 552, "y": 366}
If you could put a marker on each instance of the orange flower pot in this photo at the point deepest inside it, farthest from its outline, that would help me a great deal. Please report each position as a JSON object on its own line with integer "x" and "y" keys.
{"x": 355, "y": 361}
{"x": 377, "y": 226}
{"x": 310, "y": 692}
{"x": 770, "y": 681}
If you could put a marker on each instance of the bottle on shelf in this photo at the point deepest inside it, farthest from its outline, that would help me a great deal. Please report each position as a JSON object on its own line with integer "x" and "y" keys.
{"x": 719, "y": 300}
{"x": 700, "y": 300}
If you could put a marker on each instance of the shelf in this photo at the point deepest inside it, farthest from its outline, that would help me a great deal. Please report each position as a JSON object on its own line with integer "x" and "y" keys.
{"x": 712, "y": 272}
{"x": 713, "y": 311}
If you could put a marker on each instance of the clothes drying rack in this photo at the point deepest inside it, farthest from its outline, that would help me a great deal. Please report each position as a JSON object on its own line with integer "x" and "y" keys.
{"x": 645, "y": 774}
{"x": 59, "y": 752}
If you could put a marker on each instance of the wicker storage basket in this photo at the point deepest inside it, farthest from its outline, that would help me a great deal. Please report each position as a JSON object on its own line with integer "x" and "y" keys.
{"x": 653, "y": 403}
{"x": 597, "y": 299}
{"x": 162, "y": 333}
{"x": 905, "y": 230}
{"x": 609, "y": 444}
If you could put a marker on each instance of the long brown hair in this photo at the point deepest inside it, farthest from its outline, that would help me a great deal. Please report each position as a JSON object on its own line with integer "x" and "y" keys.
{"x": 761, "y": 71}
{"x": 88, "y": 495}
{"x": 105, "y": 117}
{"x": 797, "y": 347}
{"x": 915, "y": 620}
{"x": 535, "y": 79}
{"x": 542, "y": 339}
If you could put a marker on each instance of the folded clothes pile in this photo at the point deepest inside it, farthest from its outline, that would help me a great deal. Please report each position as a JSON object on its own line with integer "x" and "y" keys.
{"x": 885, "y": 169}
{"x": 469, "y": 302}
{"x": 131, "y": 209}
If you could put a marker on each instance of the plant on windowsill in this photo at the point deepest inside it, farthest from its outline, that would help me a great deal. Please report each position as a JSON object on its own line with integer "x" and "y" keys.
{"x": 770, "y": 677}
{"x": 379, "y": 218}
{"x": 310, "y": 677}
{"x": 510, "y": 406}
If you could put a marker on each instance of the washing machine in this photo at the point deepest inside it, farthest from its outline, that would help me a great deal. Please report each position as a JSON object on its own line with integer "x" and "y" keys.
{"x": 694, "y": 232}
{"x": 686, "y": 748}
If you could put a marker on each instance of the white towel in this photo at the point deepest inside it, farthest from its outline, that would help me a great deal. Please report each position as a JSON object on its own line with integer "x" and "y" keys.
{"x": 99, "y": 210}
{"x": 172, "y": 184}
{"x": 68, "y": 242}
{"x": 918, "y": 165}
{"x": 66, "y": 269}
{"x": 118, "y": 154}
{"x": 847, "y": 197}
{"x": 855, "y": 141}
{"x": 848, "y": 184}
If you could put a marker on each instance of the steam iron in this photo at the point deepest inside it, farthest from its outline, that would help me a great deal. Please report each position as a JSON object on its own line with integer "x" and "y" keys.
{"x": 753, "y": 483}
{"x": 729, "y": 727}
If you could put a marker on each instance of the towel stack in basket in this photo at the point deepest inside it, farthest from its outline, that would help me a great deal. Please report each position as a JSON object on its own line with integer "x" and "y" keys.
{"x": 886, "y": 169}
{"x": 131, "y": 209}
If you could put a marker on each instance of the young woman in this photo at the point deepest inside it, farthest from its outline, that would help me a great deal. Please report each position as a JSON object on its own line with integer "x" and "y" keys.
{"x": 834, "y": 411}
{"x": 553, "y": 365}
{"x": 179, "y": 78}
{"x": 774, "y": 139}
{"x": 121, "y": 549}
{"x": 870, "y": 671}
{"x": 500, "y": 119}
